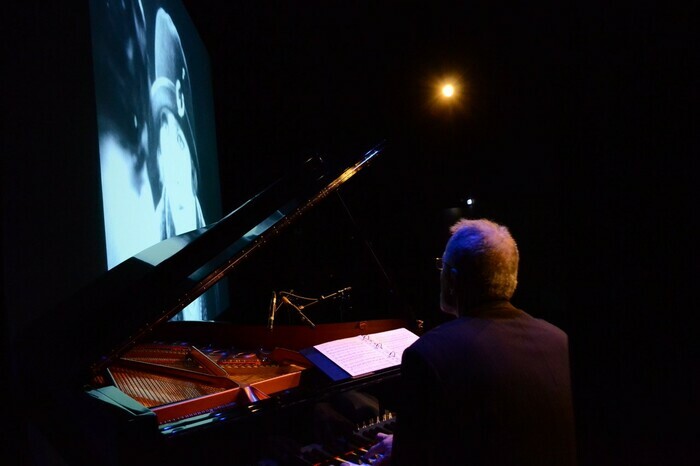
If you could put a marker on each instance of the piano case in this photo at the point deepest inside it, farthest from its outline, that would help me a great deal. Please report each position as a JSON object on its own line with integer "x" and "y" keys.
{"x": 148, "y": 398}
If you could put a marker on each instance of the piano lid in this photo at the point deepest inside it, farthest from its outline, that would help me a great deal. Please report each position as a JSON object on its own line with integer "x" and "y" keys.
{"x": 153, "y": 286}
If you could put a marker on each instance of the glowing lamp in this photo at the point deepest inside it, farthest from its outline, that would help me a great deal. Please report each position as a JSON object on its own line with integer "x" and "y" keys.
{"x": 448, "y": 90}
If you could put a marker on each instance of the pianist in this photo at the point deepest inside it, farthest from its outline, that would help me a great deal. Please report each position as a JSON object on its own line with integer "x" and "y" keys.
{"x": 492, "y": 386}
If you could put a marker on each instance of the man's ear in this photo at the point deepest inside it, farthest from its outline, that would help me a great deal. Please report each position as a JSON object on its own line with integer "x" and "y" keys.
{"x": 451, "y": 278}
{"x": 449, "y": 301}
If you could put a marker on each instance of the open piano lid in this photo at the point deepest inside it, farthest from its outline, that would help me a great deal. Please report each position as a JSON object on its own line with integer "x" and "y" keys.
{"x": 153, "y": 286}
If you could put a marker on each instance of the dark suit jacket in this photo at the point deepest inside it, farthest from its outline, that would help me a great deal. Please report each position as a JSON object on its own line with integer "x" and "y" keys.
{"x": 489, "y": 389}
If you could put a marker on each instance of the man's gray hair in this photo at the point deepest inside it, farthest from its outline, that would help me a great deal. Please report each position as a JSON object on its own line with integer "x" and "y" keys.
{"x": 489, "y": 255}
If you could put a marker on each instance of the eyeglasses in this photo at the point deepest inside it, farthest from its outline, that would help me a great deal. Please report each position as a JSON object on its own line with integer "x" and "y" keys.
{"x": 439, "y": 264}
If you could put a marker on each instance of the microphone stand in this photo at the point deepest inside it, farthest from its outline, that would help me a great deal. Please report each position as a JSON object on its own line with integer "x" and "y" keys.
{"x": 298, "y": 309}
{"x": 273, "y": 310}
{"x": 333, "y": 295}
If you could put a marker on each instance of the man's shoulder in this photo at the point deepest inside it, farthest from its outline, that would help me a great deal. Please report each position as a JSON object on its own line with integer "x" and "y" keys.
{"x": 442, "y": 335}
{"x": 498, "y": 320}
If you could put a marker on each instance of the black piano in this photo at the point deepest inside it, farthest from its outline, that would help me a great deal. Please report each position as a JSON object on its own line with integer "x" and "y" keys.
{"x": 143, "y": 388}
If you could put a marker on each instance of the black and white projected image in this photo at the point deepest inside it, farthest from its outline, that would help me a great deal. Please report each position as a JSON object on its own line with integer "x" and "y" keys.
{"x": 149, "y": 157}
{"x": 177, "y": 206}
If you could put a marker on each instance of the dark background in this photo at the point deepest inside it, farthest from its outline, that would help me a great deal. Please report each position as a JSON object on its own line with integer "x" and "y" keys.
{"x": 578, "y": 133}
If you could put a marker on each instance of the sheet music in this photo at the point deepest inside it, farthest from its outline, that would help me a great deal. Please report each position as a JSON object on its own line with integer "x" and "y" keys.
{"x": 367, "y": 353}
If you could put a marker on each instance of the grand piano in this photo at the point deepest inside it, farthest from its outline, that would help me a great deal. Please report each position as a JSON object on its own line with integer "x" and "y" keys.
{"x": 142, "y": 388}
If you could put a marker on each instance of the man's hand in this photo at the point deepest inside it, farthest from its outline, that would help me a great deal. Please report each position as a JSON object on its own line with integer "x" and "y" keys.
{"x": 380, "y": 453}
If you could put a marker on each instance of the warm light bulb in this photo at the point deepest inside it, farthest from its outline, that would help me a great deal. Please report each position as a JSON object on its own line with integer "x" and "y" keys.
{"x": 448, "y": 90}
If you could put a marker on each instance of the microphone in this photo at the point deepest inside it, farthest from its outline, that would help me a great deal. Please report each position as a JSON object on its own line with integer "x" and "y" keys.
{"x": 298, "y": 309}
{"x": 344, "y": 290}
{"x": 273, "y": 305}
